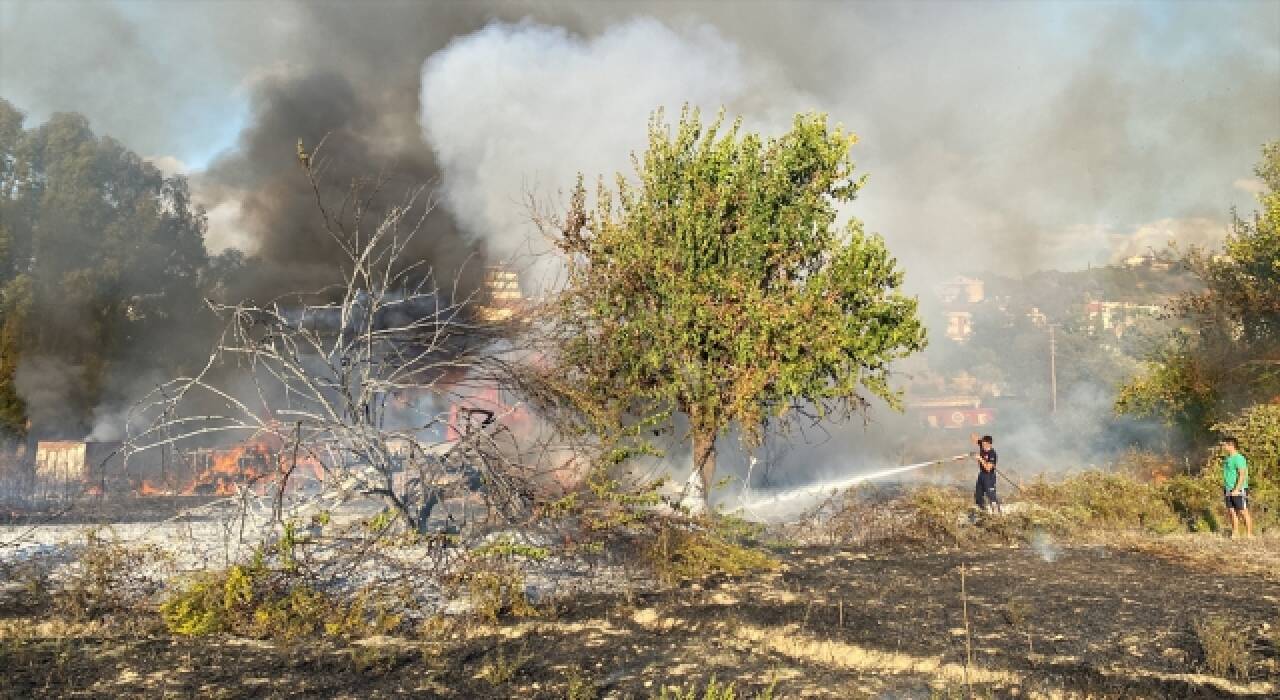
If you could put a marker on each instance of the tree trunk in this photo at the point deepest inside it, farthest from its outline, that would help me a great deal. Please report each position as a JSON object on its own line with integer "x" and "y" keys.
{"x": 704, "y": 459}
{"x": 698, "y": 487}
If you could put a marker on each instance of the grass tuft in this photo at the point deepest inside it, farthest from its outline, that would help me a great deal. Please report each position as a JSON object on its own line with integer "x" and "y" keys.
{"x": 1223, "y": 647}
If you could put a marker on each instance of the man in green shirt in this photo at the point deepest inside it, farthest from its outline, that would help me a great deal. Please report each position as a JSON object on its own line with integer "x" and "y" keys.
{"x": 1235, "y": 486}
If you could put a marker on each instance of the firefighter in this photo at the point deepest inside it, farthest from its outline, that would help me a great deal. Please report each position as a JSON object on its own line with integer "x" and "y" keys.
{"x": 984, "y": 492}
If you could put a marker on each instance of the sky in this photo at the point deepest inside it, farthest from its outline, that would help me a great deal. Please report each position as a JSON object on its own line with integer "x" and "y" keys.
{"x": 998, "y": 136}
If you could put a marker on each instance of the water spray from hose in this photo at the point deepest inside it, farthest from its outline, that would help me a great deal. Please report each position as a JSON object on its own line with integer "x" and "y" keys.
{"x": 827, "y": 488}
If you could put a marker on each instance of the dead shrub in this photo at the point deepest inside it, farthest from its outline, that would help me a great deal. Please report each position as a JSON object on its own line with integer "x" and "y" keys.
{"x": 497, "y": 592}
{"x": 28, "y": 584}
{"x": 499, "y": 668}
{"x": 1015, "y": 613}
{"x": 1224, "y": 650}
{"x": 854, "y": 517}
{"x": 937, "y": 515}
{"x": 108, "y": 580}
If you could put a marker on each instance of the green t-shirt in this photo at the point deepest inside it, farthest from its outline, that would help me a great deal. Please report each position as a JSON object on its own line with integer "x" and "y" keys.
{"x": 1231, "y": 467}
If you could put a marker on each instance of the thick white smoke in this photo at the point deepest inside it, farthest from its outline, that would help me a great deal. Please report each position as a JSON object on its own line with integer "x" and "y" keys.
{"x": 518, "y": 109}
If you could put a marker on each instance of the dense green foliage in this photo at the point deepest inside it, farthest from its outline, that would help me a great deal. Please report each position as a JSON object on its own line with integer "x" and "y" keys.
{"x": 1257, "y": 429}
{"x": 1227, "y": 356}
{"x": 719, "y": 284}
{"x": 102, "y": 259}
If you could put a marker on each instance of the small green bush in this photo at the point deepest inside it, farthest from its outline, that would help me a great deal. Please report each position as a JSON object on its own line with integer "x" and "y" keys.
{"x": 1195, "y": 500}
{"x": 507, "y": 548}
{"x": 713, "y": 690}
{"x": 687, "y": 553}
{"x": 250, "y": 600}
{"x": 257, "y": 601}
{"x": 1105, "y": 500}
{"x": 497, "y": 592}
{"x": 269, "y": 597}
{"x": 578, "y": 686}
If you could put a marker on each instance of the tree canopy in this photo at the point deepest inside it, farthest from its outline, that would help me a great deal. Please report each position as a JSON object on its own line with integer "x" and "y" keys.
{"x": 719, "y": 284}
{"x": 1226, "y": 355}
{"x": 101, "y": 263}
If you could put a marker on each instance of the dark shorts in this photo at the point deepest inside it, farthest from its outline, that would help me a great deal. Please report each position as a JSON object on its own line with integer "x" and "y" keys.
{"x": 1236, "y": 502}
{"x": 983, "y": 494}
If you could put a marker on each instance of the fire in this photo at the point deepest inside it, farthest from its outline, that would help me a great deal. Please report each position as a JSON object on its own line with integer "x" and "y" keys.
{"x": 149, "y": 489}
{"x": 258, "y": 466}
{"x": 243, "y": 465}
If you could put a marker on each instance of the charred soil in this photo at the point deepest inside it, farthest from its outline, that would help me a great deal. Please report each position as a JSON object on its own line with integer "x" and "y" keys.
{"x": 1078, "y": 620}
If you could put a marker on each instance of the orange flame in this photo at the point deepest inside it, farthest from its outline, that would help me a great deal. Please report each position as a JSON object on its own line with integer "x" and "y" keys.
{"x": 149, "y": 489}
{"x": 231, "y": 468}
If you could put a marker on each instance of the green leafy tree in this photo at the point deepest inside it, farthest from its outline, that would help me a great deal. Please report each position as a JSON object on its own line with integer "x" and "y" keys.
{"x": 101, "y": 261}
{"x": 720, "y": 285}
{"x": 1226, "y": 355}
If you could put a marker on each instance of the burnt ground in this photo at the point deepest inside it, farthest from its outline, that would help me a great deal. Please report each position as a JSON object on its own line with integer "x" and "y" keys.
{"x": 1098, "y": 621}
{"x": 102, "y": 511}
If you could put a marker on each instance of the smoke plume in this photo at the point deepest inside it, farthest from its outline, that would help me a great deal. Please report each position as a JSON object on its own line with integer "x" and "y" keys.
{"x": 999, "y": 138}
{"x": 516, "y": 109}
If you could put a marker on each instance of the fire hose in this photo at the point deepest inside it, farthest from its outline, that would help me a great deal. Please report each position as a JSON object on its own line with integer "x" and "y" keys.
{"x": 1011, "y": 481}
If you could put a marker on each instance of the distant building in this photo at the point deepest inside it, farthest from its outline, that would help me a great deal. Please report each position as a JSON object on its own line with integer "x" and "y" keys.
{"x": 960, "y": 295}
{"x": 1037, "y": 317}
{"x": 1149, "y": 261}
{"x": 963, "y": 290}
{"x": 952, "y": 412}
{"x": 503, "y": 298}
{"x": 959, "y": 325}
{"x": 74, "y": 460}
{"x": 1118, "y": 316}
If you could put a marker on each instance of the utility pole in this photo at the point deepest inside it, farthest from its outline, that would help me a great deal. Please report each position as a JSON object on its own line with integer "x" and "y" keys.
{"x": 1053, "y": 372}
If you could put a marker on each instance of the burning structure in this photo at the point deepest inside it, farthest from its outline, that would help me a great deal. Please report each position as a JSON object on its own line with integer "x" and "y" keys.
{"x": 70, "y": 468}
{"x": 76, "y": 460}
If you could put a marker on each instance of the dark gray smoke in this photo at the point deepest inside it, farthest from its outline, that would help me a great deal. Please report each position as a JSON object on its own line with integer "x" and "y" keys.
{"x": 351, "y": 83}
{"x": 277, "y": 207}
{"x": 1017, "y": 135}
{"x": 999, "y": 137}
